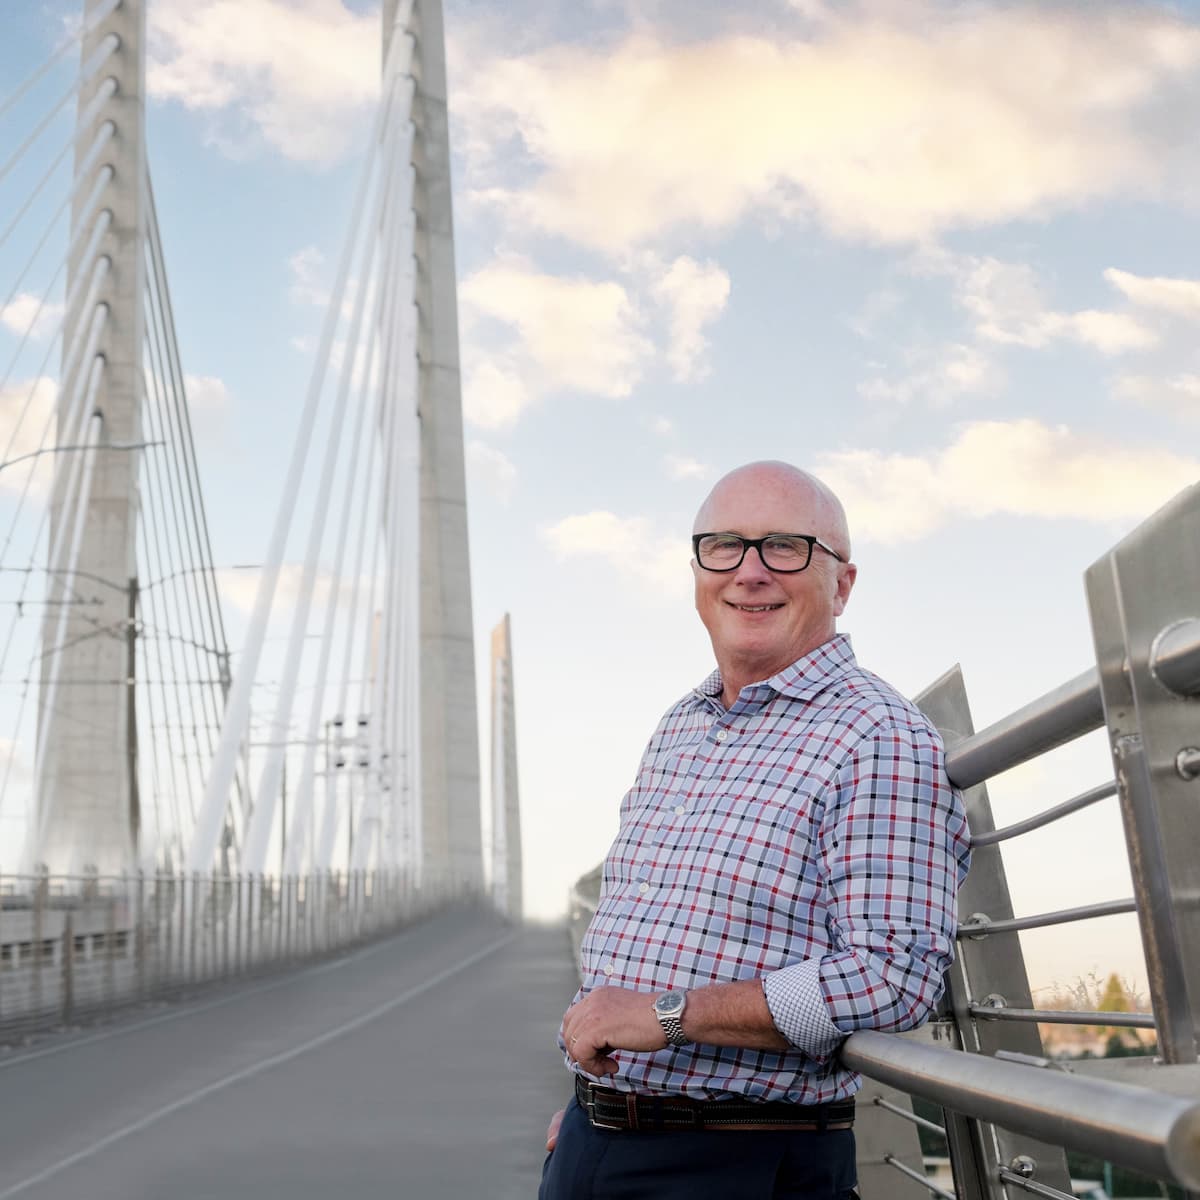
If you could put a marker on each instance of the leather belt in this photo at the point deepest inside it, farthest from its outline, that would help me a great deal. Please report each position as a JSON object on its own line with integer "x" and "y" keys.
{"x": 610, "y": 1109}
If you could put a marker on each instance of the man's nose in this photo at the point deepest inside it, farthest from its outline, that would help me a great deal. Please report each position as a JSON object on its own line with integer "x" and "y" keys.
{"x": 752, "y": 565}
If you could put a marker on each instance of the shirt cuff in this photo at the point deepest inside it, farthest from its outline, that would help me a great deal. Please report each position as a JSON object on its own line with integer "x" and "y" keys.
{"x": 798, "y": 1009}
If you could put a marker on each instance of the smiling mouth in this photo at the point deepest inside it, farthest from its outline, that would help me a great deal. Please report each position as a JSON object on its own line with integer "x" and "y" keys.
{"x": 756, "y": 608}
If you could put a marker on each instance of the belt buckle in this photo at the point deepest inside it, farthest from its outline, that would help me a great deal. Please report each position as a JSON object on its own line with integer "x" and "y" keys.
{"x": 590, "y": 1109}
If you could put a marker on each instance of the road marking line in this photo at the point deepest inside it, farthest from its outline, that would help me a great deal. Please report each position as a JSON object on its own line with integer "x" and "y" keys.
{"x": 187, "y": 1010}
{"x": 256, "y": 1069}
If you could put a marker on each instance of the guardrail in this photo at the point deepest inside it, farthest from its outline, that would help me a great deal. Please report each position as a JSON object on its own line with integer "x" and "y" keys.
{"x": 1009, "y": 1112}
{"x": 74, "y": 947}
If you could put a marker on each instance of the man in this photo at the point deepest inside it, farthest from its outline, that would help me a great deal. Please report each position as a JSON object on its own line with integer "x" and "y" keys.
{"x": 785, "y": 873}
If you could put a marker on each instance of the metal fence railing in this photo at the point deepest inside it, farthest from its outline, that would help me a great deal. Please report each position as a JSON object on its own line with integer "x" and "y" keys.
{"x": 74, "y": 947}
{"x": 1009, "y": 1112}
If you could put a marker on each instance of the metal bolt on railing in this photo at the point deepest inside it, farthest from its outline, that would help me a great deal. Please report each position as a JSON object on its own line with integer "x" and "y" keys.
{"x": 1187, "y": 762}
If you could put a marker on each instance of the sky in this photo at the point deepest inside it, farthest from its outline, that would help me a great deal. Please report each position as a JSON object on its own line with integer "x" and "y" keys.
{"x": 943, "y": 255}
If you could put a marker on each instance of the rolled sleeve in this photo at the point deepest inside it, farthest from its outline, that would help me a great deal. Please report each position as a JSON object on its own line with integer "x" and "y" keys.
{"x": 798, "y": 1009}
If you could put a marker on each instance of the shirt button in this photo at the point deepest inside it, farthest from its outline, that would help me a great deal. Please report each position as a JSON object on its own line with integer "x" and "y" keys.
{"x": 609, "y": 968}
{"x": 722, "y": 734}
{"x": 679, "y": 810}
{"x": 643, "y": 888}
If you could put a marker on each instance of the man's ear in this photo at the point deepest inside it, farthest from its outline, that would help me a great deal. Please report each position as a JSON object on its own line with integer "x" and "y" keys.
{"x": 847, "y": 574}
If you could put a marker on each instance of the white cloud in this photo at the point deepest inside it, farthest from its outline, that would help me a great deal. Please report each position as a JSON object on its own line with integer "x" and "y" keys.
{"x": 209, "y": 404}
{"x": 1022, "y": 467}
{"x": 937, "y": 378}
{"x": 1181, "y": 297}
{"x": 239, "y": 587}
{"x": 891, "y": 122}
{"x": 30, "y": 314}
{"x": 307, "y": 287}
{"x": 295, "y": 74}
{"x": 663, "y": 426}
{"x": 563, "y": 335}
{"x": 1176, "y": 395}
{"x": 1008, "y": 306}
{"x": 680, "y": 467}
{"x": 26, "y": 426}
{"x": 494, "y": 394}
{"x": 493, "y": 468}
{"x": 694, "y": 295}
{"x": 206, "y": 394}
{"x": 629, "y": 544}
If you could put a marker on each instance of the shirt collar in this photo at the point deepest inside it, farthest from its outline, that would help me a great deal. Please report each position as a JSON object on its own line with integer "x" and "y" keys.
{"x": 805, "y": 678}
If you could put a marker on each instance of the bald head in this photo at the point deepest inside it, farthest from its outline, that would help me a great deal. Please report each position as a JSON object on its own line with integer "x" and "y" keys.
{"x": 782, "y": 487}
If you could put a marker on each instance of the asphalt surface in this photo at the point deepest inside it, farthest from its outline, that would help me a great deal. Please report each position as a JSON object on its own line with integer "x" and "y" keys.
{"x": 422, "y": 1066}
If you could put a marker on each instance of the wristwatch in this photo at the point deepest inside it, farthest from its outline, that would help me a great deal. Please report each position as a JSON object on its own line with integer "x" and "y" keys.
{"x": 668, "y": 1008}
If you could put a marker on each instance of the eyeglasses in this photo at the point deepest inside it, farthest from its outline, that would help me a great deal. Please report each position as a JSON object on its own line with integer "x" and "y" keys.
{"x": 784, "y": 553}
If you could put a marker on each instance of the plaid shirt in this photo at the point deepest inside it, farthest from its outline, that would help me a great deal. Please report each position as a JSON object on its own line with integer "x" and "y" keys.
{"x": 807, "y": 836}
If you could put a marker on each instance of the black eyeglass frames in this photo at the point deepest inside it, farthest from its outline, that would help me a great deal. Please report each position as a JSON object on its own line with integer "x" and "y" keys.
{"x": 784, "y": 553}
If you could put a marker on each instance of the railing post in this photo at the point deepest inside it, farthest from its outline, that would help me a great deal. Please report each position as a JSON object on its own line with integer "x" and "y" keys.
{"x": 992, "y": 966}
{"x": 68, "y": 967}
{"x": 110, "y": 947}
{"x": 193, "y": 932}
{"x": 1141, "y": 594}
{"x": 41, "y": 884}
{"x": 238, "y": 964}
{"x": 139, "y": 936}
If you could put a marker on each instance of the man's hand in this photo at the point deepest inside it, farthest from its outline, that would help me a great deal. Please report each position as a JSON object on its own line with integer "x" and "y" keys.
{"x": 552, "y": 1130}
{"x": 608, "y": 1019}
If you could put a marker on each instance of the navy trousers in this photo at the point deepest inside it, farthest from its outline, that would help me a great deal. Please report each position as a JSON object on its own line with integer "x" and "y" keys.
{"x": 726, "y": 1164}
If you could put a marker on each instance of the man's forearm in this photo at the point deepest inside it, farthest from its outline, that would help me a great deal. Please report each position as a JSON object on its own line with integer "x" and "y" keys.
{"x": 732, "y": 1014}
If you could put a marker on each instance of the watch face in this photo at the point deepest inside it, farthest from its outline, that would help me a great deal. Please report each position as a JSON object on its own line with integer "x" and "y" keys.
{"x": 669, "y": 1004}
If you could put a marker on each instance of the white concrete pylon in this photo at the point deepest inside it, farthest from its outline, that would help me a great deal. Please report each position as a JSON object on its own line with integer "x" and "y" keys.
{"x": 449, "y": 820}
{"x": 88, "y": 799}
{"x": 507, "y": 892}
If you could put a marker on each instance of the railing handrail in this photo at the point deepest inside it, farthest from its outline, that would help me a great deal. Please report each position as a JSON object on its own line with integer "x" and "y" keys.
{"x": 1067, "y": 712}
{"x": 1149, "y": 1131}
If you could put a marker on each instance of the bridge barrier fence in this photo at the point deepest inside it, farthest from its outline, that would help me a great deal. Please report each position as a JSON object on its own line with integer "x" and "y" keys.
{"x": 1009, "y": 1111}
{"x": 75, "y": 947}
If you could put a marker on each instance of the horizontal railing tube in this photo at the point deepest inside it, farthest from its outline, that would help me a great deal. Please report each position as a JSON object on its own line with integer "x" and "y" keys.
{"x": 1048, "y": 816}
{"x": 1135, "y": 1127}
{"x": 1063, "y": 1016}
{"x": 1176, "y": 658}
{"x": 1063, "y": 916}
{"x": 1059, "y": 716}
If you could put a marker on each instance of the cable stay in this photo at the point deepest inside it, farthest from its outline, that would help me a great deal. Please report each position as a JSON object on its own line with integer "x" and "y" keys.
{"x": 237, "y": 714}
{"x": 69, "y": 43}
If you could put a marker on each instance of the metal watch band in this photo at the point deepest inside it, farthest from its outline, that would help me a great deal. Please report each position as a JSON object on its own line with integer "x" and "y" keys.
{"x": 673, "y": 1029}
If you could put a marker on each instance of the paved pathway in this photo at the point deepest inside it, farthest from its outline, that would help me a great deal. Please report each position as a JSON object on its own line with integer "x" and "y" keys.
{"x": 422, "y": 1067}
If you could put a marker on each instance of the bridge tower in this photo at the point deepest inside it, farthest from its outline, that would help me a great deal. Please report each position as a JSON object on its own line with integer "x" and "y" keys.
{"x": 87, "y": 812}
{"x": 449, "y": 733}
{"x": 506, "y": 806}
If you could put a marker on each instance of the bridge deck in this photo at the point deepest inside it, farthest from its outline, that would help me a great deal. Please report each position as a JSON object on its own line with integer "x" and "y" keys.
{"x": 422, "y": 1066}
